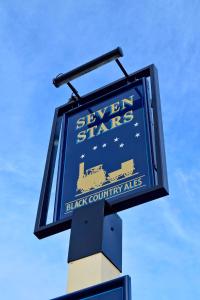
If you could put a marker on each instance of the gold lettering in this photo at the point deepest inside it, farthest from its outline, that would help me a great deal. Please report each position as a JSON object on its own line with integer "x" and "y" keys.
{"x": 91, "y": 118}
{"x": 115, "y": 190}
{"x": 115, "y": 122}
{"x": 128, "y": 116}
{"x": 68, "y": 207}
{"x": 91, "y": 131}
{"x": 101, "y": 112}
{"x": 102, "y": 129}
{"x": 138, "y": 181}
{"x": 126, "y": 187}
{"x": 80, "y": 123}
{"x": 128, "y": 101}
{"x": 114, "y": 108}
{"x": 105, "y": 193}
{"x": 120, "y": 187}
{"x": 81, "y": 136}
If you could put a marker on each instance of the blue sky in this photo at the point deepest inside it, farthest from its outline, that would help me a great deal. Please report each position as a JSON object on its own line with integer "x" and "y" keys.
{"x": 40, "y": 39}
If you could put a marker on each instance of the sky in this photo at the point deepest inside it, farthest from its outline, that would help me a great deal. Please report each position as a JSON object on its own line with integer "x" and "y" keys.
{"x": 38, "y": 40}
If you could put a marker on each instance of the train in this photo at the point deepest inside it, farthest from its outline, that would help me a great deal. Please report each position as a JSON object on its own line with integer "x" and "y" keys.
{"x": 127, "y": 169}
{"x": 96, "y": 177}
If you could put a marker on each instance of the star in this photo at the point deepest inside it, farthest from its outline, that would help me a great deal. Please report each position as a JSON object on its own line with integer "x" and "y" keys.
{"x": 137, "y": 135}
{"x": 104, "y": 145}
{"x": 121, "y": 145}
{"x": 136, "y": 124}
{"x": 95, "y": 148}
{"x": 82, "y": 156}
{"x": 116, "y": 139}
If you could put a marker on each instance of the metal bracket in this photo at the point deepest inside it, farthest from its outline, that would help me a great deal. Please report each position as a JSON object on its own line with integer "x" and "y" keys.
{"x": 122, "y": 68}
{"x": 88, "y": 67}
{"x": 74, "y": 91}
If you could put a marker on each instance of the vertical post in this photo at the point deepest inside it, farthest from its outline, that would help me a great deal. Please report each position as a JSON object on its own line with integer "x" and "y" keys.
{"x": 95, "y": 249}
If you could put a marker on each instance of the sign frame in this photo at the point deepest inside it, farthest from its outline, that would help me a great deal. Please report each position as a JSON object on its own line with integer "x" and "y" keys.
{"x": 42, "y": 229}
{"x": 123, "y": 282}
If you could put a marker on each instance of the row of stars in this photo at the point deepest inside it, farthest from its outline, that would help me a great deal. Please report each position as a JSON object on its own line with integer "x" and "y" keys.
{"x": 121, "y": 145}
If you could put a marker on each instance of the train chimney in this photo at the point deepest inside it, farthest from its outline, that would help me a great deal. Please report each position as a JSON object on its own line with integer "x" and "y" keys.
{"x": 81, "y": 170}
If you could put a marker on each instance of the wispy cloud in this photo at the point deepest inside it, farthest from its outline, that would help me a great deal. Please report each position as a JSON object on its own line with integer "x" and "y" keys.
{"x": 9, "y": 167}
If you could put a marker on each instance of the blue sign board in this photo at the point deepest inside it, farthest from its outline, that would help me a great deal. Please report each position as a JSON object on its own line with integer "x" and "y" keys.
{"x": 106, "y": 150}
{"x": 117, "y": 289}
{"x": 114, "y": 294}
{"x": 110, "y": 148}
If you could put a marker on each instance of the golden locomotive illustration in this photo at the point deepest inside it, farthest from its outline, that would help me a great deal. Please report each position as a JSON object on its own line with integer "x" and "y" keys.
{"x": 96, "y": 177}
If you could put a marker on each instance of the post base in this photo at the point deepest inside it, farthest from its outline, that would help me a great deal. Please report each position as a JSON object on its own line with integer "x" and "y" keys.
{"x": 89, "y": 271}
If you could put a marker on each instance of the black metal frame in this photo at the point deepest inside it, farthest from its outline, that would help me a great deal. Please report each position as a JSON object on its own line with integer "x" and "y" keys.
{"x": 42, "y": 229}
{"x": 121, "y": 282}
{"x": 88, "y": 67}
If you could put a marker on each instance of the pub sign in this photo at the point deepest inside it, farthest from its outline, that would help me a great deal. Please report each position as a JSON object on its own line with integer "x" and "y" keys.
{"x": 106, "y": 150}
{"x": 111, "y": 148}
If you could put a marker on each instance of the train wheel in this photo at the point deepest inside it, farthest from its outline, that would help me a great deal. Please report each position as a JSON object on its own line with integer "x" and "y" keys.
{"x": 128, "y": 174}
{"x": 113, "y": 179}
